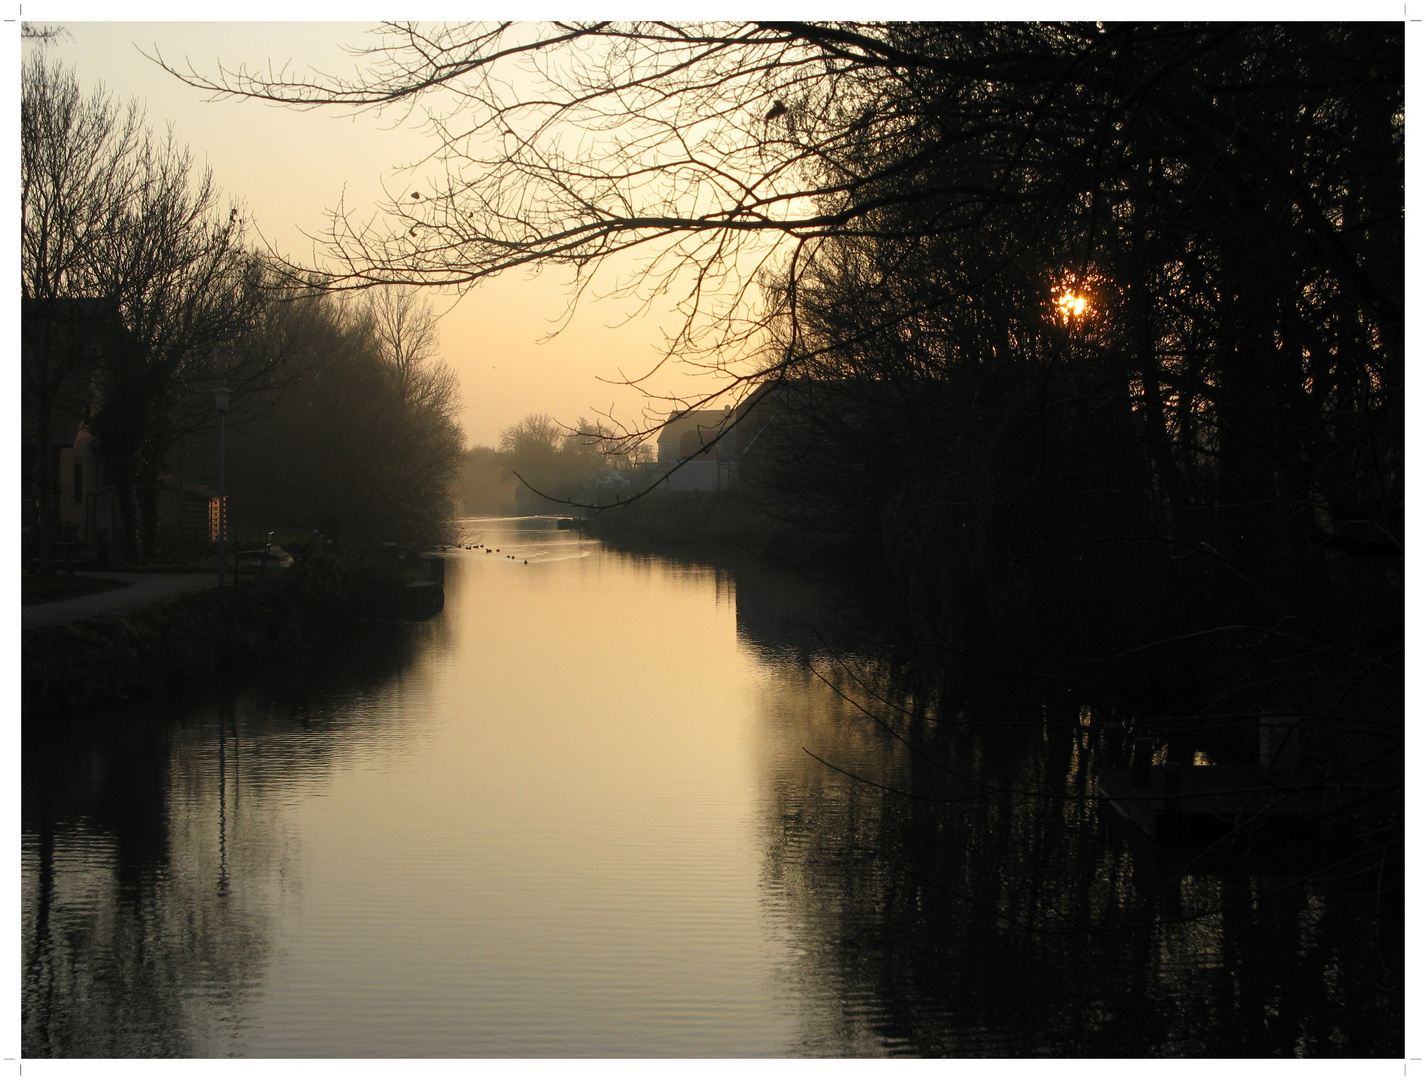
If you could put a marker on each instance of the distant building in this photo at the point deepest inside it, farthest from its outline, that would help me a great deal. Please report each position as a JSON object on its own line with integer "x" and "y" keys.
{"x": 693, "y": 434}
{"x": 694, "y": 449}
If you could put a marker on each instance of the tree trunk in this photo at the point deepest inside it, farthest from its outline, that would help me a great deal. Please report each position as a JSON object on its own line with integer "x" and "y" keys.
{"x": 128, "y": 518}
{"x": 147, "y": 499}
{"x": 47, "y": 498}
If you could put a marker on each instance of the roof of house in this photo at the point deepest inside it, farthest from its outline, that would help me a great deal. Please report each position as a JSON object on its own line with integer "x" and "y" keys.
{"x": 705, "y": 422}
{"x": 62, "y": 341}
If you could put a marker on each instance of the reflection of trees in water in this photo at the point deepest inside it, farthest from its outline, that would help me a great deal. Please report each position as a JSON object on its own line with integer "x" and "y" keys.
{"x": 782, "y": 611}
{"x": 138, "y": 937}
{"x": 157, "y": 857}
{"x": 997, "y": 912}
{"x": 980, "y": 906}
{"x": 824, "y": 873}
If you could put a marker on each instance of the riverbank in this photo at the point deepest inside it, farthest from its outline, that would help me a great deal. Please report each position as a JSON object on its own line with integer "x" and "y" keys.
{"x": 41, "y": 589}
{"x": 286, "y": 617}
{"x": 684, "y": 518}
{"x": 118, "y": 591}
{"x": 746, "y": 521}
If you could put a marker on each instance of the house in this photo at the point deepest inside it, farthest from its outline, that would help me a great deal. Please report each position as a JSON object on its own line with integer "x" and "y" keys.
{"x": 187, "y": 513}
{"x": 695, "y": 450}
{"x": 78, "y": 488}
{"x": 705, "y": 449}
{"x": 64, "y": 346}
{"x": 63, "y": 343}
{"x": 693, "y": 434}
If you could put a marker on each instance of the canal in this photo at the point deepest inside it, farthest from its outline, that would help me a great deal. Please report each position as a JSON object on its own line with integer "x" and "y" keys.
{"x": 617, "y": 804}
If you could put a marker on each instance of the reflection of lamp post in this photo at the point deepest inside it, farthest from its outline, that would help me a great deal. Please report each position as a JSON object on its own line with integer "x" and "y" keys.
{"x": 223, "y": 801}
{"x": 220, "y": 399}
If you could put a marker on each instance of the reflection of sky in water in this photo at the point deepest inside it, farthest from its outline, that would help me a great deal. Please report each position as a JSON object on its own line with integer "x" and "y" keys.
{"x": 536, "y": 838}
{"x": 579, "y": 817}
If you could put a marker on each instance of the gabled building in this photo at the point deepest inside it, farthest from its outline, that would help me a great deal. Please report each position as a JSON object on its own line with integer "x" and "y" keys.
{"x": 695, "y": 450}
{"x": 694, "y": 434}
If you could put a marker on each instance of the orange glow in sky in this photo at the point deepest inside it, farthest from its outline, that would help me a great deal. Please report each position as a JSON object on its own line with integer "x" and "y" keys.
{"x": 289, "y": 168}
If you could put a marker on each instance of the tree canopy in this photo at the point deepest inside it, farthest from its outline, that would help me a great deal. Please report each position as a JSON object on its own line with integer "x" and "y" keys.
{"x": 1222, "y": 203}
{"x": 123, "y": 233}
{"x": 364, "y": 440}
{"x": 726, "y": 150}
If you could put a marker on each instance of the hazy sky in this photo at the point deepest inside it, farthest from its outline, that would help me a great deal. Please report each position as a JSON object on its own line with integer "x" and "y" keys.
{"x": 290, "y": 168}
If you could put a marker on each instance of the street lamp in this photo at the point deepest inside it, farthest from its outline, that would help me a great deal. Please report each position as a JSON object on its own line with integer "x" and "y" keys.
{"x": 220, "y": 400}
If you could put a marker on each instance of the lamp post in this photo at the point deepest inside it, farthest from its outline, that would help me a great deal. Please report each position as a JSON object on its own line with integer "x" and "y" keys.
{"x": 220, "y": 400}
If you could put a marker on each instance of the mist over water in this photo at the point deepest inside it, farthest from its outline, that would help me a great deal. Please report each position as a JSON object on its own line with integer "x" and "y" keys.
{"x": 578, "y": 814}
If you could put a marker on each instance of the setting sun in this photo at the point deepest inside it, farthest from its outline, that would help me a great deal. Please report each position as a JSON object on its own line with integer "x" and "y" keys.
{"x": 1071, "y": 306}
{"x": 506, "y": 511}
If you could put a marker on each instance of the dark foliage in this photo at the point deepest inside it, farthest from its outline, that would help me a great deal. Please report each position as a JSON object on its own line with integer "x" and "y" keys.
{"x": 358, "y": 444}
{"x": 325, "y": 604}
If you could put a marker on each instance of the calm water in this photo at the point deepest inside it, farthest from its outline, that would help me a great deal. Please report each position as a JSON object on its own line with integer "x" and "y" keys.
{"x": 580, "y": 815}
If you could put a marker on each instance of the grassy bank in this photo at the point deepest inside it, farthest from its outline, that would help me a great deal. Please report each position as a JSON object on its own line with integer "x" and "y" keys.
{"x": 46, "y": 588}
{"x": 323, "y": 605}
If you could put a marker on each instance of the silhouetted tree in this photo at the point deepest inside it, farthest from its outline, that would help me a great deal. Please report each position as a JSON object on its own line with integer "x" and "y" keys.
{"x": 117, "y": 224}
{"x": 1185, "y": 407}
{"x": 75, "y": 154}
{"x": 404, "y": 326}
{"x": 353, "y": 440}
{"x": 1098, "y": 328}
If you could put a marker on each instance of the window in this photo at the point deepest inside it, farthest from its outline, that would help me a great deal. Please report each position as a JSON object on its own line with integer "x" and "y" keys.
{"x": 78, "y": 482}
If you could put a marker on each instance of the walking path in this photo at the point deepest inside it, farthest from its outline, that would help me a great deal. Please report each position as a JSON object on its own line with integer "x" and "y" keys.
{"x": 143, "y": 589}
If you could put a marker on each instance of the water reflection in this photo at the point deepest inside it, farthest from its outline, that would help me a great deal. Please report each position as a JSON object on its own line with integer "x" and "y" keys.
{"x": 616, "y": 803}
{"x": 958, "y": 908}
{"x": 157, "y": 862}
